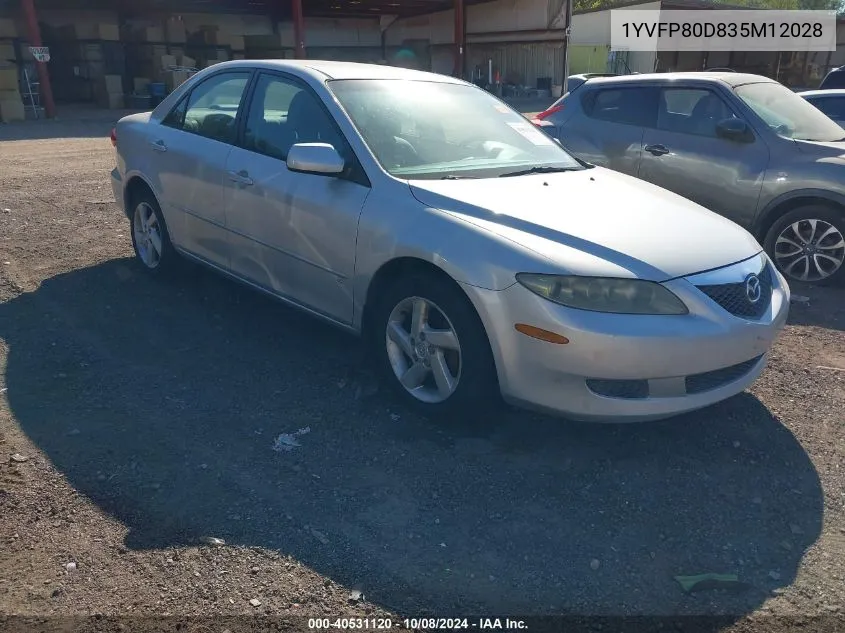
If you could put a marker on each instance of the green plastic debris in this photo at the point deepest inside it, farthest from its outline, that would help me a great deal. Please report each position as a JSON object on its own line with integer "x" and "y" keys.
{"x": 707, "y": 581}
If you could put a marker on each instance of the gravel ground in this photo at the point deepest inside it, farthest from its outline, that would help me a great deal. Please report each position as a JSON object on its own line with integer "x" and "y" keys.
{"x": 138, "y": 418}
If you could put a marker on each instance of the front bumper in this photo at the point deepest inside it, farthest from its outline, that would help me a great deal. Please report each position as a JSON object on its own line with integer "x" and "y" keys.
{"x": 662, "y": 365}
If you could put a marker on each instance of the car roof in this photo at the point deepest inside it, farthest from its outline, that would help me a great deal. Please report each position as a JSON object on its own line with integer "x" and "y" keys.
{"x": 326, "y": 69}
{"x": 836, "y": 92}
{"x": 728, "y": 78}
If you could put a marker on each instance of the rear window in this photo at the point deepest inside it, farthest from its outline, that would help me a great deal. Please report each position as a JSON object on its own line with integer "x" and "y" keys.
{"x": 628, "y": 106}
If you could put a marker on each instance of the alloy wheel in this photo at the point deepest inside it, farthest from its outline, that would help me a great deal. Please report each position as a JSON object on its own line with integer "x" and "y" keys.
{"x": 423, "y": 350}
{"x": 148, "y": 238}
{"x": 810, "y": 250}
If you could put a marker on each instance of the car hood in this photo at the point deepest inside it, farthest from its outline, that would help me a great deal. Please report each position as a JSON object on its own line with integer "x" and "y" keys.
{"x": 584, "y": 220}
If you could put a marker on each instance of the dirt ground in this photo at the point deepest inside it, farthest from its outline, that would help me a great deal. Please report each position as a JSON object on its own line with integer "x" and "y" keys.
{"x": 138, "y": 418}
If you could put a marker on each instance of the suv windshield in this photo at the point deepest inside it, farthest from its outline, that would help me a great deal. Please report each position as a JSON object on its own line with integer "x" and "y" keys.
{"x": 788, "y": 114}
{"x": 425, "y": 130}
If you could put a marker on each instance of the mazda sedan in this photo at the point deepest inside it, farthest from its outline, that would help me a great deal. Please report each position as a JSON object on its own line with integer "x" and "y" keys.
{"x": 474, "y": 254}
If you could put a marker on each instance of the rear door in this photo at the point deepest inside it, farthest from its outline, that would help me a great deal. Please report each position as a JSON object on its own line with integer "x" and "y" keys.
{"x": 682, "y": 153}
{"x": 191, "y": 147}
{"x": 607, "y": 123}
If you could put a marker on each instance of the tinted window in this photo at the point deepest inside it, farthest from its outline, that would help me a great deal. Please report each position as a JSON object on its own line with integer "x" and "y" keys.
{"x": 836, "y": 79}
{"x": 834, "y": 107}
{"x": 629, "y": 106}
{"x": 284, "y": 112}
{"x": 212, "y": 107}
{"x": 176, "y": 117}
{"x": 691, "y": 111}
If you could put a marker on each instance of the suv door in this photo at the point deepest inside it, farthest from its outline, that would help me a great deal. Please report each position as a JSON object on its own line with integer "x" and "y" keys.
{"x": 191, "y": 147}
{"x": 607, "y": 127}
{"x": 293, "y": 233}
{"x": 683, "y": 153}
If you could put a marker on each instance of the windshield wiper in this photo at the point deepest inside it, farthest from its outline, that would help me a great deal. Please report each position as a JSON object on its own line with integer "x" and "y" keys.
{"x": 454, "y": 177}
{"x": 538, "y": 170}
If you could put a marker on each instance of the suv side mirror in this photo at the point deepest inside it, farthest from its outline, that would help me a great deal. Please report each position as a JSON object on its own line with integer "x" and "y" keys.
{"x": 734, "y": 129}
{"x": 315, "y": 158}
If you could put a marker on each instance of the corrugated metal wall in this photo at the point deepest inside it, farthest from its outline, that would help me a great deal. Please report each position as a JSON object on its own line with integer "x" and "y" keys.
{"x": 519, "y": 63}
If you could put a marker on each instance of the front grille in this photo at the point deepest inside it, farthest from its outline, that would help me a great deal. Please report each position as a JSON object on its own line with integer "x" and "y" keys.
{"x": 699, "y": 383}
{"x": 734, "y": 297}
{"x": 627, "y": 389}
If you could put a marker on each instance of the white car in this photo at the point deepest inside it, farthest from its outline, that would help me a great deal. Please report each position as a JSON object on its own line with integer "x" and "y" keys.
{"x": 475, "y": 254}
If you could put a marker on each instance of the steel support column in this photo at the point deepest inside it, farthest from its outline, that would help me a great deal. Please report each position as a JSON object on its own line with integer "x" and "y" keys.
{"x": 460, "y": 39}
{"x": 34, "y": 37}
{"x": 298, "y": 29}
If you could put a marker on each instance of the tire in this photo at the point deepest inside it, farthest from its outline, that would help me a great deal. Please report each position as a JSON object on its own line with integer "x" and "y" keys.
{"x": 150, "y": 238}
{"x": 475, "y": 386}
{"x": 788, "y": 234}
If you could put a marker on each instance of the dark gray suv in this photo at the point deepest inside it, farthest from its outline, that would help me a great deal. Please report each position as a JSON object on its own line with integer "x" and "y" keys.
{"x": 741, "y": 145}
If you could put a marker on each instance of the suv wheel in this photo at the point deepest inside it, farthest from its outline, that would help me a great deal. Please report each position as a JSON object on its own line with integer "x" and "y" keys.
{"x": 808, "y": 245}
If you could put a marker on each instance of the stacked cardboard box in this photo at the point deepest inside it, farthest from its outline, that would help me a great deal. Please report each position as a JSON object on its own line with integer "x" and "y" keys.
{"x": 148, "y": 34}
{"x": 176, "y": 78}
{"x": 7, "y": 52}
{"x": 175, "y": 31}
{"x": 101, "y": 31}
{"x": 110, "y": 92}
{"x": 11, "y": 104}
{"x": 8, "y": 30}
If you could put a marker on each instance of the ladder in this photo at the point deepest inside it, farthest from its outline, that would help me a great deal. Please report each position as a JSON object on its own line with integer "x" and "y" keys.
{"x": 32, "y": 92}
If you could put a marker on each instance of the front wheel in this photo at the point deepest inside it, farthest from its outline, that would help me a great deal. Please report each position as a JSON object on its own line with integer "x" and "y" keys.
{"x": 432, "y": 347}
{"x": 808, "y": 245}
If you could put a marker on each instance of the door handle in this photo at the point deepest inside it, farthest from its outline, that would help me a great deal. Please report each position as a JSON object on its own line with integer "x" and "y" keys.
{"x": 656, "y": 150}
{"x": 241, "y": 178}
{"x": 158, "y": 146}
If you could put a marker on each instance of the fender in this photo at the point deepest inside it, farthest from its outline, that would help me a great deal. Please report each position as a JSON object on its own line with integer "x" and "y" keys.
{"x": 763, "y": 217}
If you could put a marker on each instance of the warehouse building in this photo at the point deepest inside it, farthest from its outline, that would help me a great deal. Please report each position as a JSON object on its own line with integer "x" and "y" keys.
{"x": 128, "y": 54}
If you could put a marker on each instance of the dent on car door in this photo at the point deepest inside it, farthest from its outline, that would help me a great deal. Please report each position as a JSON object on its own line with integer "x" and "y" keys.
{"x": 290, "y": 232}
{"x": 684, "y": 153}
{"x": 191, "y": 147}
{"x": 609, "y": 129}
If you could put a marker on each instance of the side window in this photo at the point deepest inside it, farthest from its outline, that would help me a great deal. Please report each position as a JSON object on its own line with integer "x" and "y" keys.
{"x": 284, "y": 112}
{"x": 834, "y": 107}
{"x": 212, "y": 107}
{"x": 176, "y": 117}
{"x": 628, "y": 106}
{"x": 691, "y": 111}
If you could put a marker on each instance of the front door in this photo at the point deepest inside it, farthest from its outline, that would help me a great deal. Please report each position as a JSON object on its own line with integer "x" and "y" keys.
{"x": 290, "y": 232}
{"x": 682, "y": 153}
{"x": 188, "y": 154}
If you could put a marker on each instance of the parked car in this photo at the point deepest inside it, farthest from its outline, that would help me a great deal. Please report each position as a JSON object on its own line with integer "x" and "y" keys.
{"x": 473, "y": 253}
{"x": 741, "y": 145}
{"x": 831, "y": 102}
{"x": 833, "y": 80}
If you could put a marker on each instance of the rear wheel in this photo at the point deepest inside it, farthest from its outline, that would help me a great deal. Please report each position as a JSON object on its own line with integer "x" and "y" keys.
{"x": 150, "y": 238}
{"x": 808, "y": 245}
{"x": 432, "y": 348}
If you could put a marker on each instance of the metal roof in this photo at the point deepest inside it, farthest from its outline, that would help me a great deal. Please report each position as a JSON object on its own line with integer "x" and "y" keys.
{"x": 280, "y": 9}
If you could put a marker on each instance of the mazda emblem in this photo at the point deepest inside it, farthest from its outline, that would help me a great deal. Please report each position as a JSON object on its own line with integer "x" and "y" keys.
{"x": 752, "y": 288}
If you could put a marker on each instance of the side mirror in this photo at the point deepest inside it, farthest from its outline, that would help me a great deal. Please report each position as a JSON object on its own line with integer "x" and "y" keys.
{"x": 315, "y": 158}
{"x": 734, "y": 129}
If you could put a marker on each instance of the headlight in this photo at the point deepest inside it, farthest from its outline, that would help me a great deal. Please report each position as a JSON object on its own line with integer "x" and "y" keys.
{"x": 600, "y": 294}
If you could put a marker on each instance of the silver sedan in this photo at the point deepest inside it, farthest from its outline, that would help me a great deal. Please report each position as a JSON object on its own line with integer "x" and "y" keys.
{"x": 475, "y": 255}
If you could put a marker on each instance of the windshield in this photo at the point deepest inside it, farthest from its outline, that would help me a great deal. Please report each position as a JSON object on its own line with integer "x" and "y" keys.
{"x": 788, "y": 114}
{"x": 425, "y": 130}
